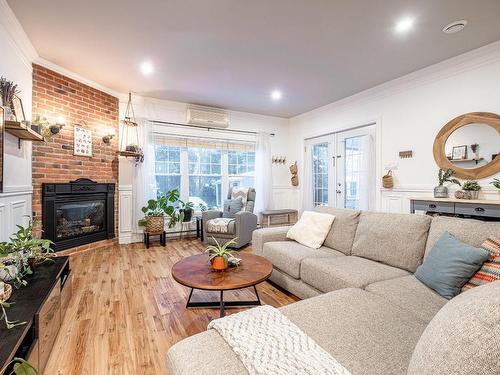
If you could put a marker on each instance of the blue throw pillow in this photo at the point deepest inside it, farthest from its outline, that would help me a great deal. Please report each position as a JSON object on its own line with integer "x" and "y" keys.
{"x": 449, "y": 265}
{"x": 231, "y": 207}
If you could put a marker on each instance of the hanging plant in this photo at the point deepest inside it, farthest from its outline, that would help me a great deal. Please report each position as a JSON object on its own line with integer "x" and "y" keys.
{"x": 129, "y": 142}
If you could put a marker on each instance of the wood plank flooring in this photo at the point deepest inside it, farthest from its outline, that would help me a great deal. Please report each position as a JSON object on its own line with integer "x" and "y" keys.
{"x": 126, "y": 310}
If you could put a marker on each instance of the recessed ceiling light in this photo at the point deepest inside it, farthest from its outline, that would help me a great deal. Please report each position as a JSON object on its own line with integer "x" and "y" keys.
{"x": 404, "y": 24}
{"x": 455, "y": 27}
{"x": 276, "y": 95}
{"x": 147, "y": 68}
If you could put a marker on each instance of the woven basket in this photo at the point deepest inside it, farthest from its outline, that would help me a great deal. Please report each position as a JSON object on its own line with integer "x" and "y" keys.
{"x": 6, "y": 293}
{"x": 388, "y": 181}
{"x": 155, "y": 224}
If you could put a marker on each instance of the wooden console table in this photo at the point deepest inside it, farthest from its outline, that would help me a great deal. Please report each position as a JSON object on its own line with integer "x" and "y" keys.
{"x": 474, "y": 208}
{"x": 42, "y": 304}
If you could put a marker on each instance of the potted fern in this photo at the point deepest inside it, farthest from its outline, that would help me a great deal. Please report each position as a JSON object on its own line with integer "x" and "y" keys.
{"x": 441, "y": 191}
{"x": 496, "y": 183}
{"x": 219, "y": 255}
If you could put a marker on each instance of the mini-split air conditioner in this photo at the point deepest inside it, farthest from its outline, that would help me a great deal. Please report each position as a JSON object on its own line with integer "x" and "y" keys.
{"x": 207, "y": 116}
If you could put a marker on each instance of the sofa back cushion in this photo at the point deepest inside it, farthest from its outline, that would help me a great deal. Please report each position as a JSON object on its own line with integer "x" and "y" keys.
{"x": 460, "y": 339}
{"x": 341, "y": 234}
{"x": 394, "y": 239}
{"x": 472, "y": 232}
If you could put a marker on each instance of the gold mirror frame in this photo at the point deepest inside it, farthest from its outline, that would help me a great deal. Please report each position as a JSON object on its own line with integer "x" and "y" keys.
{"x": 442, "y": 161}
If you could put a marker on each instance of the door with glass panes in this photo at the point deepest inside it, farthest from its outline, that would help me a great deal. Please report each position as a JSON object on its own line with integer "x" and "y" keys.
{"x": 342, "y": 169}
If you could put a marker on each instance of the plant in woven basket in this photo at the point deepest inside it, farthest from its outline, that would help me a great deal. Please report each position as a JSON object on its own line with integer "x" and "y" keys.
{"x": 219, "y": 254}
{"x": 156, "y": 210}
{"x": 471, "y": 186}
{"x": 20, "y": 367}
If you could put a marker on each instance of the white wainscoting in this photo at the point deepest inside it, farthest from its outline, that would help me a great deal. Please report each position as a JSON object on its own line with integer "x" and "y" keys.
{"x": 397, "y": 200}
{"x": 285, "y": 196}
{"x": 125, "y": 215}
{"x": 15, "y": 209}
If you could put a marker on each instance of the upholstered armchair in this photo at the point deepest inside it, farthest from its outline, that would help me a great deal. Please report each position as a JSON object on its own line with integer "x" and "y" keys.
{"x": 242, "y": 227}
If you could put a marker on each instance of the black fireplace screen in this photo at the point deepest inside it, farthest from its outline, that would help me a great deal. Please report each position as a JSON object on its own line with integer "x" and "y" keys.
{"x": 76, "y": 219}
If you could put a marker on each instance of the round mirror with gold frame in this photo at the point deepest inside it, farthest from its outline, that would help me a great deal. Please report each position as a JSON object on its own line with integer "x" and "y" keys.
{"x": 470, "y": 145}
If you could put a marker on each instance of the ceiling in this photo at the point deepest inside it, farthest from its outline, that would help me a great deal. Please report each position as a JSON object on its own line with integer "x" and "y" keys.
{"x": 233, "y": 53}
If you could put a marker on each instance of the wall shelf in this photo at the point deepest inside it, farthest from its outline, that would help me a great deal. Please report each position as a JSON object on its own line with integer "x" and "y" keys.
{"x": 23, "y": 131}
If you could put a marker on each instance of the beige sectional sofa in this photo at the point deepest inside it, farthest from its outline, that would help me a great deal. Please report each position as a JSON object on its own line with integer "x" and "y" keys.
{"x": 367, "y": 310}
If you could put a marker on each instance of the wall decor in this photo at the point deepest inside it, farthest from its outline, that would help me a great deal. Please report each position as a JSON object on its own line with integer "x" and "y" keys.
{"x": 17, "y": 106}
{"x": 478, "y": 129}
{"x": 405, "y": 154}
{"x": 279, "y": 159}
{"x": 82, "y": 142}
{"x": 294, "y": 171}
{"x": 459, "y": 152}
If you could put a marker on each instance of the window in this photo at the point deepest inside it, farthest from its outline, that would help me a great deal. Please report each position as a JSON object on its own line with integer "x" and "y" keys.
{"x": 203, "y": 170}
{"x": 241, "y": 168}
{"x": 167, "y": 168}
{"x": 205, "y": 178}
{"x": 320, "y": 174}
{"x": 354, "y": 153}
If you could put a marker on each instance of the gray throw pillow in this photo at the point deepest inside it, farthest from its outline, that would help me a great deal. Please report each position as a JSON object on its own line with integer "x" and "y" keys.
{"x": 450, "y": 264}
{"x": 231, "y": 207}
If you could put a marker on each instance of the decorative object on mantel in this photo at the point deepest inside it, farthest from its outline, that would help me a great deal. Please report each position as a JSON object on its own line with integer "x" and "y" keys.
{"x": 279, "y": 159}
{"x": 294, "y": 171}
{"x": 405, "y": 154}
{"x": 388, "y": 180}
{"x": 7, "y": 92}
{"x": 129, "y": 143}
{"x": 441, "y": 191}
{"x": 82, "y": 141}
{"x": 470, "y": 190}
{"x": 496, "y": 183}
{"x": 482, "y": 131}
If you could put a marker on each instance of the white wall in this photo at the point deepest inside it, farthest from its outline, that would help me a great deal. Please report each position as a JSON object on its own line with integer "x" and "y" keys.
{"x": 284, "y": 195}
{"x": 409, "y": 112}
{"x": 15, "y": 201}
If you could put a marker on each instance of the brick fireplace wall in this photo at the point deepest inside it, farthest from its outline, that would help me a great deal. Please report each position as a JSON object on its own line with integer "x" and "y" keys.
{"x": 53, "y": 161}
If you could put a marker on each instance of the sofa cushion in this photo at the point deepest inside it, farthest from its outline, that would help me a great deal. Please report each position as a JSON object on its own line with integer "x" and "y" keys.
{"x": 394, "y": 239}
{"x": 231, "y": 229}
{"x": 288, "y": 255}
{"x": 311, "y": 229}
{"x": 327, "y": 274}
{"x": 361, "y": 330}
{"x": 490, "y": 271}
{"x": 450, "y": 264}
{"x": 411, "y": 295}
{"x": 232, "y": 207}
{"x": 463, "y": 337}
{"x": 472, "y": 232}
{"x": 341, "y": 234}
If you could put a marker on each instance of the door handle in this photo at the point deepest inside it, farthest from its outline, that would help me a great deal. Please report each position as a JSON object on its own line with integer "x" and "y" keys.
{"x": 339, "y": 191}
{"x": 432, "y": 206}
{"x": 479, "y": 209}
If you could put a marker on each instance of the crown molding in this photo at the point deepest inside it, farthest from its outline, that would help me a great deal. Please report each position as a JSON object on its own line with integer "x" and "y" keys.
{"x": 467, "y": 61}
{"x": 17, "y": 35}
{"x": 70, "y": 74}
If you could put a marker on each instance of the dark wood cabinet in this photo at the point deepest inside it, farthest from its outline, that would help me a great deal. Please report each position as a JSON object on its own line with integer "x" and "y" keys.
{"x": 42, "y": 304}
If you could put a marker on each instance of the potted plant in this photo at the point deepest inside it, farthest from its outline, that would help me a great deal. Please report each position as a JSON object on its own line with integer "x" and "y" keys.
{"x": 219, "y": 255}
{"x": 470, "y": 190}
{"x": 441, "y": 191}
{"x": 156, "y": 210}
{"x": 7, "y": 92}
{"x": 186, "y": 210}
{"x": 496, "y": 183}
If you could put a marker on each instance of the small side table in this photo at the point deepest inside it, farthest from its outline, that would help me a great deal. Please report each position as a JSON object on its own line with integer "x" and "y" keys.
{"x": 163, "y": 238}
{"x": 289, "y": 213}
{"x": 199, "y": 228}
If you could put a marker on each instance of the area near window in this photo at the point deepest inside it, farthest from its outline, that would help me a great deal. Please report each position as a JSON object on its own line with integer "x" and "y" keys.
{"x": 202, "y": 169}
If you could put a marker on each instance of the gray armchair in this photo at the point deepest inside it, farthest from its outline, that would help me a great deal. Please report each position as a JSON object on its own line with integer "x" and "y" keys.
{"x": 245, "y": 222}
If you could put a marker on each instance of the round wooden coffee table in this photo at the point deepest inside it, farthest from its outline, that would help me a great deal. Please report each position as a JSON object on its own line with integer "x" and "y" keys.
{"x": 197, "y": 273}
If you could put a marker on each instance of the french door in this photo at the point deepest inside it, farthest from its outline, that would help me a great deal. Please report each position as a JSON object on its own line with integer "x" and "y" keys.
{"x": 342, "y": 169}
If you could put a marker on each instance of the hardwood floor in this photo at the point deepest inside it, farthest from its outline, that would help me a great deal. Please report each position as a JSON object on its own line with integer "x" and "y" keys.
{"x": 126, "y": 310}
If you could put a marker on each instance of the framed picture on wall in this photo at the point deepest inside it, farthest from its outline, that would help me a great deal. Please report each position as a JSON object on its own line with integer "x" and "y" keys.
{"x": 82, "y": 142}
{"x": 459, "y": 152}
{"x": 17, "y": 107}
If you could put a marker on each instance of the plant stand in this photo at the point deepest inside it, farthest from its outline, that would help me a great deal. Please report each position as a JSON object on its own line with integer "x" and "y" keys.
{"x": 163, "y": 238}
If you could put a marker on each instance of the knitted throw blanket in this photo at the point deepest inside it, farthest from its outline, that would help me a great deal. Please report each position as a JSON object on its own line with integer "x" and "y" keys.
{"x": 267, "y": 342}
{"x": 218, "y": 225}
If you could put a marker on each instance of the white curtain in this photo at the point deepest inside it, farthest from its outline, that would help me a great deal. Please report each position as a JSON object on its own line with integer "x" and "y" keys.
{"x": 367, "y": 174}
{"x": 263, "y": 173}
{"x": 144, "y": 182}
{"x": 307, "y": 180}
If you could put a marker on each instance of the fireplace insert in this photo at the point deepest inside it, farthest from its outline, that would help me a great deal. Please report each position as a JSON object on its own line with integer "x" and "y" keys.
{"x": 78, "y": 212}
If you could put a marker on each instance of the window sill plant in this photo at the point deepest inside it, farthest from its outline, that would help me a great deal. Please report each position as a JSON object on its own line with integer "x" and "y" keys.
{"x": 470, "y": 190}
{"x": 441, "y": 191}
{"x": 186, "y": 210}
{"x": 219, "y": 255}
